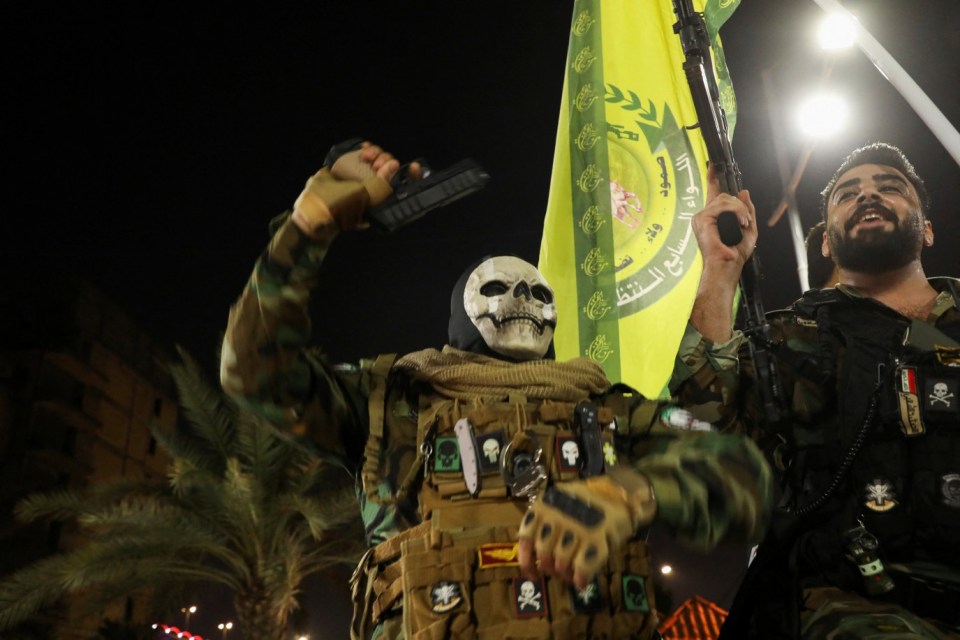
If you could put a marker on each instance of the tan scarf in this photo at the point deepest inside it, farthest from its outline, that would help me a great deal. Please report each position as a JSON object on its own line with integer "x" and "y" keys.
{"x": 463, "y": 375}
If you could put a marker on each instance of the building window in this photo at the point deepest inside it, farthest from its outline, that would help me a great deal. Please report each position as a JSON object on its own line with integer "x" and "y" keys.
{"x": 152, "y": 446}
{"x": 158, "y": 407}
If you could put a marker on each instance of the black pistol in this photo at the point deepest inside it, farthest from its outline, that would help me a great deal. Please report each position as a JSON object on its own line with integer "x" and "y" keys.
{"x": 412, "y": 199}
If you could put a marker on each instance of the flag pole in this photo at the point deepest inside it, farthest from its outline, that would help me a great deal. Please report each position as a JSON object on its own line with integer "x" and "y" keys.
{"x": 945, "y": 132}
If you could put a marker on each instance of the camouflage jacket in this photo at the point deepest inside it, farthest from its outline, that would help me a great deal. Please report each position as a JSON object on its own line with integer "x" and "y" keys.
{"x": 838, "y": 354}
{"x": 709, "y": 485}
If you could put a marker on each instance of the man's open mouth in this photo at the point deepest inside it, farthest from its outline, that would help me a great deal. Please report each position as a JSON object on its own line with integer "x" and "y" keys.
{"x": 871, "y": 213}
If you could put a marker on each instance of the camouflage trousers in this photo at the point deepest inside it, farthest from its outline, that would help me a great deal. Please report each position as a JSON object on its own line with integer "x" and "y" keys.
{"x": 832, "y": 614}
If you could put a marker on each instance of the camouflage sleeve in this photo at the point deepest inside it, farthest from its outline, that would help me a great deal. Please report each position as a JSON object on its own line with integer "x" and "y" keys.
{"x": 709, "y": 486}
{"x": 265, "y": 363}
{"x": 706, "y": 377}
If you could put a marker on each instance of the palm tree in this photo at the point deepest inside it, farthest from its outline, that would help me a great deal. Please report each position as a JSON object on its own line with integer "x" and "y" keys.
{"x": 243, "y": 508}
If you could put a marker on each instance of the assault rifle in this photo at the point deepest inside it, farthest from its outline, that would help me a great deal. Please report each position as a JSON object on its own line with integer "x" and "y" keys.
{"x": 712, "y": 121}
{"x": 767, "y": 574}
{"x": 412, "y": 199}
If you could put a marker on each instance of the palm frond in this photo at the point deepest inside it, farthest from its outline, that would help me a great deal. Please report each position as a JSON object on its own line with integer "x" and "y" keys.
{"x": 333, "y": 510}
{"x": 264, "y": 451}
{"x": 61, "y": 504}
{"x": 28, "y": 590}
{"x": 185, "y": 446}
{"x": 211, "y": 418}
{"x": 123, "y": 558}
{"x": 243, "y": 507}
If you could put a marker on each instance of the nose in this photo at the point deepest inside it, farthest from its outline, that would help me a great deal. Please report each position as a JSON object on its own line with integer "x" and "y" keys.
{"x": 868, "y": 192}
{"x": 522, "y": 289}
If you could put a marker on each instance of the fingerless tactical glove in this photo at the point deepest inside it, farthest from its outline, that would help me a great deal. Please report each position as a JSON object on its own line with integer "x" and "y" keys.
{"x": 339, "y": 196}
{"x": 578, "y": 524}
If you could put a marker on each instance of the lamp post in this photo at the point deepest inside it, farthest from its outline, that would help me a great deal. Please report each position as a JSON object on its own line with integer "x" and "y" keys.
{"x": 187, "y": 612}
{"x": 224, "y": 628}
{"x": 834, "y": 35}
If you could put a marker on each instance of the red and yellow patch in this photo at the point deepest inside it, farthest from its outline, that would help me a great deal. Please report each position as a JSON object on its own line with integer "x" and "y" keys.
{"x": 498, "y": 554}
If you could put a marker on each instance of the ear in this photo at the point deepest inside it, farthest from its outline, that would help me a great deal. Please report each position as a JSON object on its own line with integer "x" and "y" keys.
{"x": 927, "y": 233}
{"x": 825, "y": 246}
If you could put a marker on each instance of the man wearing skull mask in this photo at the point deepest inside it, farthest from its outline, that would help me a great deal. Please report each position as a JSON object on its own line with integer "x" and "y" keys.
{"x": 867, "y": 446}
{"x": 454, "y": 446}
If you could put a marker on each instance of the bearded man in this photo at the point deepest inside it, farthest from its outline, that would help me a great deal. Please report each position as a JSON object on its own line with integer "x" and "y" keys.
{"x": 504, "y": 494}
{"x": 869, "y": 449}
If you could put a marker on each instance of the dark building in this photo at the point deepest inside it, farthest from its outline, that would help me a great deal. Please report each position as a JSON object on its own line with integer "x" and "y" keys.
{"x": 79, "y": 384}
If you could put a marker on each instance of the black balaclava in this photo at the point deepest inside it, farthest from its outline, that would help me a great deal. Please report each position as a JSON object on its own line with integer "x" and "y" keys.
{"x": 461, "y": 332}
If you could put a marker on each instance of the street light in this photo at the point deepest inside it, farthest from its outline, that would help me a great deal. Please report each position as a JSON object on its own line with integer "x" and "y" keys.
{"x": 187, "y": 612}
{"x": 822, "y": 115}
{"x": 224, "y": 628}
{"x": 819, "y": 117}
{"x": 838, "y": 31}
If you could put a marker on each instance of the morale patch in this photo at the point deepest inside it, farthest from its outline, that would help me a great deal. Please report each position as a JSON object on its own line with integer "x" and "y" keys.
{"x": 530, "y": 600}
{"x": 941, "y": 395}
{"x": 586, "y": 600}
{"x": 950, "y": 489}
{"x": 609, "y": 455}
{"x": 635, "y": 593}
{"x": 568, "y": 454}
{"x": 880, "y": 496}
{"x": 909, "y": 401}
{"x": 445, "y": 596}
{"x": 498, "y": 554}
{"x": 447, "y": 458}
{"x": 908, "y": 380}
{"x": 491, "y": 444}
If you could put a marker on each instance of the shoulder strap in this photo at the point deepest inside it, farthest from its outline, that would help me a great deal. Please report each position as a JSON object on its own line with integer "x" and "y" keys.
{"x": 378, "y": 391}
{"x": 376, "y": 412}
{"x": 811, "y": 300}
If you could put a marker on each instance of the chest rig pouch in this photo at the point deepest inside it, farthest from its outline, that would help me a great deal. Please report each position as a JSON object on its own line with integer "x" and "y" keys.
{"x": 456, "y": 575}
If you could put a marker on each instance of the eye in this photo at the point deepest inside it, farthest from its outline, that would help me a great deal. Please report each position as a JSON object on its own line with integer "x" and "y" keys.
{"x": 542, "y": 294}
{"x": 891, "y": 187}
{"x": 494, "y": 288}
{"x": 843, "y": 195}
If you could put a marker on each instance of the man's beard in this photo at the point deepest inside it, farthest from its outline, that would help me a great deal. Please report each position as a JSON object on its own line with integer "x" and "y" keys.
{"x": 877, "y": 250}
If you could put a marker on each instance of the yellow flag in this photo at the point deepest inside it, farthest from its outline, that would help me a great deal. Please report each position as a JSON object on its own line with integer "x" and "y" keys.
{"x": 628, "y": 176}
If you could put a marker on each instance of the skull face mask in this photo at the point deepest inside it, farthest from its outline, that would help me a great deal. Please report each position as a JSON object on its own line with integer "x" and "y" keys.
{"x": 512, "y": 307}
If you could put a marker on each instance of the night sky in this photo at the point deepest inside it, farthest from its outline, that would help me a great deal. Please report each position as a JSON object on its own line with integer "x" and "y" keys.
{"x": 147, "y": 148}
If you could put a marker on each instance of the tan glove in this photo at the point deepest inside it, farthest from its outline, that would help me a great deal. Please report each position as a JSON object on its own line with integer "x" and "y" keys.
{"x": 574, "y": 528}
{"x": 335, "y": 199}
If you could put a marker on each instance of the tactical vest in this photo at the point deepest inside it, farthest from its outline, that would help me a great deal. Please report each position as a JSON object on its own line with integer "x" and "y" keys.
{"x": 460, "y": 475}
{"x": 903, "y": 483}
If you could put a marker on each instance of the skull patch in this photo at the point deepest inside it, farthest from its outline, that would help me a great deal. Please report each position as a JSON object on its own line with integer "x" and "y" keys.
{"x": 512, "y": 307}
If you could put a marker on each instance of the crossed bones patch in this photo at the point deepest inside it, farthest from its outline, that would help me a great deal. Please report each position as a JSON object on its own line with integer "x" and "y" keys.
{"x": 530, "y": 600}
{"x": 941, "y": 395}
